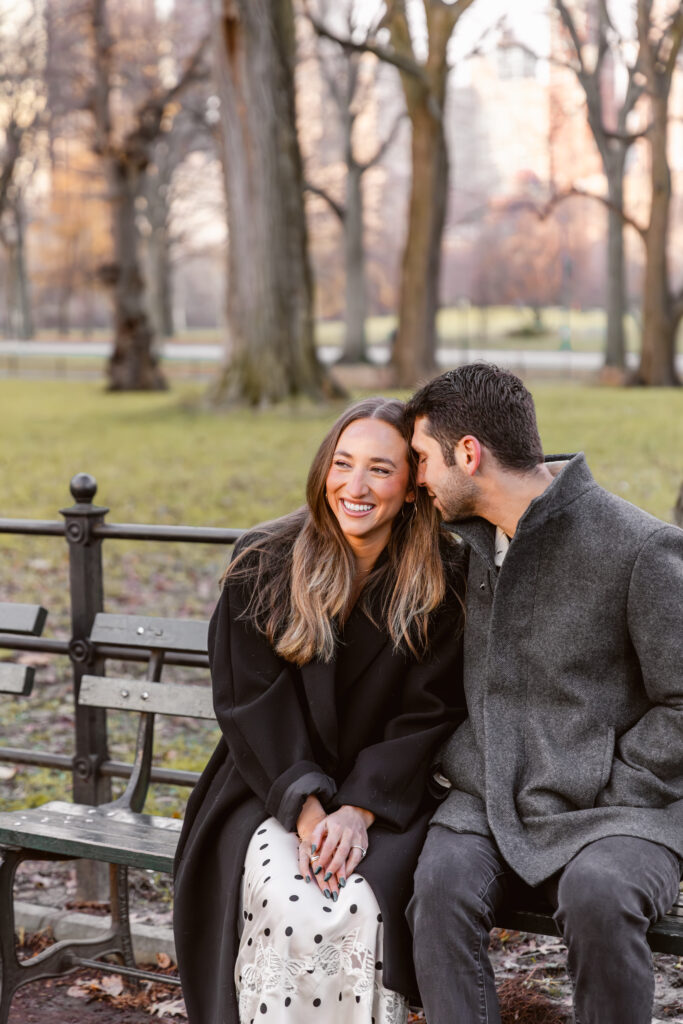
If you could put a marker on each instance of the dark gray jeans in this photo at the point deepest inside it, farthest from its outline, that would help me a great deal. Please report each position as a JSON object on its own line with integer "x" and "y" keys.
{"x": 606, "y": 898}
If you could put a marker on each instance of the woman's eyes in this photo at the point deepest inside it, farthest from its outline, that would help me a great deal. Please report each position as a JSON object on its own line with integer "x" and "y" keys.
{"x": 343, "y": 464}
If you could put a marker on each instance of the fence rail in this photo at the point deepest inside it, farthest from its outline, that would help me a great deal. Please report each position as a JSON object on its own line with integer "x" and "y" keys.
{"x": 84, "y": 528}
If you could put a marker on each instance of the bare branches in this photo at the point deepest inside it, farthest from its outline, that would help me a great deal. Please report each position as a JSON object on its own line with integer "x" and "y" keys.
{"x": 404, "y": 62}
{"x": 570, "y": 25}
{"x": 384, "y": 146}
{"x": 544, "y": 211}
{"x": 316, "y": 190}
{"x": 150, "y": 114}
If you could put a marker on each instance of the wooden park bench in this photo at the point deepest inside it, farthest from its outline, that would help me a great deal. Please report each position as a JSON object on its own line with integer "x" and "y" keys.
{"x": 118, "y": 833}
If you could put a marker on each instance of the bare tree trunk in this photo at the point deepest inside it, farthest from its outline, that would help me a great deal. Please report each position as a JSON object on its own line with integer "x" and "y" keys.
{"x": 615, "y": 348}
{"x": 414, "y": 354}
{"x": 657, "y": 60}
{"x": 133, "y": 365}
{"x": 355, "y": 345}
{"x": 657, "y": 354}
{"x": 161, "y": 304}
{"x": 20, "y": 275}
{"x": 271, "y": 352}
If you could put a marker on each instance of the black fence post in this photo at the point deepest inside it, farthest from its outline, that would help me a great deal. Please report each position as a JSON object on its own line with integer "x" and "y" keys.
{"x": 87, "y": 599}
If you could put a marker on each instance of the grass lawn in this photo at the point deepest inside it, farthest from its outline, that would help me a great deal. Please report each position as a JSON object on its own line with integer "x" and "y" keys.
{"x": 164, "y": 458}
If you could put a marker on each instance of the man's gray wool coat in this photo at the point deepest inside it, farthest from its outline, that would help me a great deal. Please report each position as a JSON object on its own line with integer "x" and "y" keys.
{"x": 573, "y": 678}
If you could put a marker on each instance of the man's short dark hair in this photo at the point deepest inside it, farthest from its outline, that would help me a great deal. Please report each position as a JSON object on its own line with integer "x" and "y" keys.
{"x": 490, "y": 404}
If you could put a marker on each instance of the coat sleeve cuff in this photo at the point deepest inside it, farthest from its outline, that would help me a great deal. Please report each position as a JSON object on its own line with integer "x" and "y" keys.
{"x": 288, "y": 793}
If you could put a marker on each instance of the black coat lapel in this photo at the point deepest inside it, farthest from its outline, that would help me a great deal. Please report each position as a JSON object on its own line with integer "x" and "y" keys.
{"x": 325, "y": 683}
{"x": 319, "y": 685}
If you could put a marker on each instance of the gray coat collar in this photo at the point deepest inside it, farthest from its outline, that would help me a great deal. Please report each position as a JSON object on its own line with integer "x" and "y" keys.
{"x": 574, "y": 480}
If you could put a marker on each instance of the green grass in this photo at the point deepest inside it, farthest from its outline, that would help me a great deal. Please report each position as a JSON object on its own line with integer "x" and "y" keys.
{"x": 166, "y": 458}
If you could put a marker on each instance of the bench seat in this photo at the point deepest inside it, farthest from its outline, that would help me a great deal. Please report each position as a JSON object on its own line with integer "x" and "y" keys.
{"x": 664, "y": 937}
{"x": 105, "y": 833}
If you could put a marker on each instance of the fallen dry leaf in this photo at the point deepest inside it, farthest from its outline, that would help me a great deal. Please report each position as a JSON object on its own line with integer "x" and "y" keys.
{"x": 164, "y": 960}
{"x": 78, "y": 992}
{"x": 112, "y": 984}
{"x": 169, "y": 1008}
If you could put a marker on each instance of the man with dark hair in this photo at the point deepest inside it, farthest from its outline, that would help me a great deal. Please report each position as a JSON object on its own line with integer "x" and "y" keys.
{"x": 568, "y": 773}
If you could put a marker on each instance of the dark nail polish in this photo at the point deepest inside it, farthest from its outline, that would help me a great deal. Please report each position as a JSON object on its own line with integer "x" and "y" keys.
{"x": 342, "y": 883}
{"x": 317, "y": 870}
{"x": 326, "y": 893}
{"x": 308, "y": 878}
{"x": 328, "y": 876}
{"x": 313, "y": 849}
{"x": 335, "y": 897}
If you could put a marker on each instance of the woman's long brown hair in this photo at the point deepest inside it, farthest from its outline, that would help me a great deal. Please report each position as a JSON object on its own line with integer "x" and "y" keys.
{"x": 299, "y": 570}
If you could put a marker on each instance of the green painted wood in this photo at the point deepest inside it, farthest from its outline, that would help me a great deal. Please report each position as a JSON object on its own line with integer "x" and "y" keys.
{"x": 149, "y": 633}
{"x": 16, "y": 679}
{"x": 140, "y": 695}
{"x": 98, "y": 833}
{"x": 26, "y": 619}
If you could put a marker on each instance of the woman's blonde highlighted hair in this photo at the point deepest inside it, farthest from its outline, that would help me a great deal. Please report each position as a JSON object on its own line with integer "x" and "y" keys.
{"x": 299, "y": 570}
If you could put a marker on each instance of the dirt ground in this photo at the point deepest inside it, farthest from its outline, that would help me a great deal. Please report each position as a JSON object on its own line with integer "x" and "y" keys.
{"x": 531, "y": 970}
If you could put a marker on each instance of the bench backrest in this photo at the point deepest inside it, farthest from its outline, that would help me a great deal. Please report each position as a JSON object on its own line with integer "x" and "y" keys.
{"x": 21, "y": 620}
{"x": 147, "y": 696}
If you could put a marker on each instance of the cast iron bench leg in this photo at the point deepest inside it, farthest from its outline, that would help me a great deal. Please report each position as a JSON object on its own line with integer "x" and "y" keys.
{"x": 120, "y": 921}
{"x": 9, "y": 964}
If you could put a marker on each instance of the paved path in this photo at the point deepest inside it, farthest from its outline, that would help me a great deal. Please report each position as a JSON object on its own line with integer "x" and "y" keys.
{"x": 562, "y": 362}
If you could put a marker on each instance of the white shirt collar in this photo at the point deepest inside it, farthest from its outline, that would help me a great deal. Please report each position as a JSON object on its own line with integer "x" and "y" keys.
{"x": 501, "y": 545}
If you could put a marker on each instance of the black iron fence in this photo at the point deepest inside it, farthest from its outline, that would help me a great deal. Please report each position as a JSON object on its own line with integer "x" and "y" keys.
{"x": 84, "y": 528}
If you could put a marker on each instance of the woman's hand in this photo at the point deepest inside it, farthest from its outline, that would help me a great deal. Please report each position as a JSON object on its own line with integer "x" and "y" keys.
{"x": 339, "y": 843}
{"x": 311, "y": 814}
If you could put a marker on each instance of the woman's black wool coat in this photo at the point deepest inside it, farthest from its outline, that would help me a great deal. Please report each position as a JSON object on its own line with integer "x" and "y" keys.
{"x": 360, "y": 730}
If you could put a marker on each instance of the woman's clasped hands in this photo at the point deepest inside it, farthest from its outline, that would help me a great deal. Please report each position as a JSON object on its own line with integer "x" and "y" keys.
{"x": 331, "y": 846}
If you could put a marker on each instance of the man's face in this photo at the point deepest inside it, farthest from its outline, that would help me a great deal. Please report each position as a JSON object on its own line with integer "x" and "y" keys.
{"x": 452, "y": 490}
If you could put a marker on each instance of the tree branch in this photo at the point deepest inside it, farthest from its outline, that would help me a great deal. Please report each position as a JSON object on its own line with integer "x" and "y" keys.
{"x": 543, "y": 212}
{"x": 336, "y": 207}
{"x": 384, "y": 146}
{"x": 384, "y": 53}
{"x": 570, "y": 25}
{"x": 151, "y": 112}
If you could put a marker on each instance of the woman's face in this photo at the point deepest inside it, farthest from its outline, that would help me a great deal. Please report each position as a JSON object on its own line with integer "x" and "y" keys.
{"x": 368, "y": 481}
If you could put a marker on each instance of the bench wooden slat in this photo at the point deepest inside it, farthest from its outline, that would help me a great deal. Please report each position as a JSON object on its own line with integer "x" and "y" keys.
{"x": 143, "y": 840}
{"x": 150, "y": 633}
{"x": 141, "y": 695}
{"x": 664, "y": 937}
{"x": 27, "y": 619}
{"x": 17, "y": 679}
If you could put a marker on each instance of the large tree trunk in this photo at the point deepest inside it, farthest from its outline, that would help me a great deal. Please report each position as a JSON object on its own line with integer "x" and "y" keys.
{"x": 414, "y": 354}
{"x": 160, "y": 282}
{"x": 657, "y": 357}
{"x": 615, "y": 348}
{"x": 133, "y": 365}
{"x": 19, "y": 288}
{"x": 355, "y": 346}
{"x": 271, "y": 351}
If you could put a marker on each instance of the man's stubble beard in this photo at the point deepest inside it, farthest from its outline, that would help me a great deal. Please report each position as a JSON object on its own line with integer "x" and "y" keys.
{"x": 460, "y": 498}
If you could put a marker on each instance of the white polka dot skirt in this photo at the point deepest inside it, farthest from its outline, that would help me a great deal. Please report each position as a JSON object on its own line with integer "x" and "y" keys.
{"x": 303, "y": 957}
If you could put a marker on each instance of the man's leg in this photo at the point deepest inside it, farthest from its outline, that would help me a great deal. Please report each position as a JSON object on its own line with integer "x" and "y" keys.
{"x": 460, "y": 881}
{"x": 607, "y": 897}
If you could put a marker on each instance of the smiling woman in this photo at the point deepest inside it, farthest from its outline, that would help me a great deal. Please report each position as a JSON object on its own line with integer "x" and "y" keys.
{"x": 367, "y": 486}
{"x": 335, "y": 655}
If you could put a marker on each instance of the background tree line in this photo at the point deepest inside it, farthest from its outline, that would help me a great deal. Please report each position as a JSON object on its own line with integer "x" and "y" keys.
{"x": 244, "y": 149}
